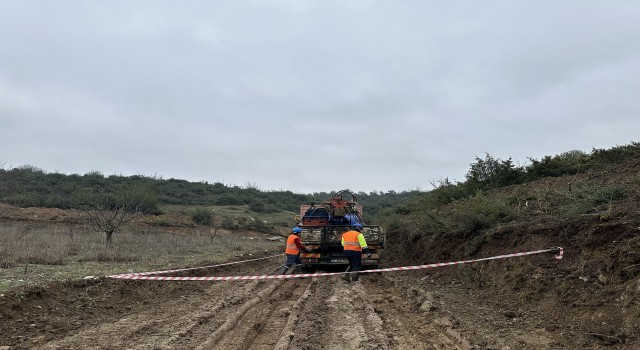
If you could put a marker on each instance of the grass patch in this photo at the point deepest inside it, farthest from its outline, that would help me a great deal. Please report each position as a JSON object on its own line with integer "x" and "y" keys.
{"x": 241, "y": 214}
{"x": 30, "y": 255}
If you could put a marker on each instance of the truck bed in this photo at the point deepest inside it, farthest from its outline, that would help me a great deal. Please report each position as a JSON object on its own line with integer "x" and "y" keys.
{"x": 313, "y": 235}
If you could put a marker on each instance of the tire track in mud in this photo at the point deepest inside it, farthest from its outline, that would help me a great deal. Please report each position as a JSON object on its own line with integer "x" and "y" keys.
{"x": 259, "y": 323}
{"x": 339, "y": 316}
{"x": 376, "y": 313}
{"x": 183, "y": 322}
{"x": 379, "y": 312}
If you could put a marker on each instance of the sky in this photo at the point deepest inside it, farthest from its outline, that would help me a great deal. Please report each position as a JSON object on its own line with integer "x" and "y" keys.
{"x": 313, "y": 96}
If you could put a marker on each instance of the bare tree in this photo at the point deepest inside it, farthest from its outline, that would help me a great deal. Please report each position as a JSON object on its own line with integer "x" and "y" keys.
{"x": 213, "y": 232}
{"x": 108, "y": 213}
{"x": 5, "y": 212}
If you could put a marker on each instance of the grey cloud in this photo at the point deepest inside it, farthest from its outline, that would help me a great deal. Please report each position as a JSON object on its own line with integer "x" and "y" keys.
{"x": 370, "y": 94}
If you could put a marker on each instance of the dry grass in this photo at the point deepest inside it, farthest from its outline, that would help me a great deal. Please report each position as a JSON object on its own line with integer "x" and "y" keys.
{"x": 31, "y": 254}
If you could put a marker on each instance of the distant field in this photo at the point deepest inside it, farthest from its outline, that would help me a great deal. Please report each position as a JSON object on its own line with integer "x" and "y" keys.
{"x": 239, "y": 213}
{"x": 33, "y": 254}
{"x": 39, "y": 245}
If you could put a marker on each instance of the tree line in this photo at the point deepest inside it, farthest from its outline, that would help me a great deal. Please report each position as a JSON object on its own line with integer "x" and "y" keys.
{"x": 490, "y": 173}
{"x": 29, "y": 186}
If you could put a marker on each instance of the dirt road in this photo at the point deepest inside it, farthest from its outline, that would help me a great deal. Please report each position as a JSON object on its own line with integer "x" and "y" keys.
{"x": 404, "y": 310}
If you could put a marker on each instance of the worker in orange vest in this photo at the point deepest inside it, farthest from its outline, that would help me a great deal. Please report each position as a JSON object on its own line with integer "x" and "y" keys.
{"x": 354, "y": 245}
{"x": 292, "y": 251}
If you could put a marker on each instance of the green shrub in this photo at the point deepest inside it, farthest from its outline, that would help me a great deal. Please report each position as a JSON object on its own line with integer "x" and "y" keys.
{"x": 494, "y": 173}
{"x": 567, "y": 163}
{"x": 483, "y": 211}
{"x": 229, "y": 224}
{"x": 607, "y": 194}
{"x": 615, "y": 155}
{"x": 202, "y": 216}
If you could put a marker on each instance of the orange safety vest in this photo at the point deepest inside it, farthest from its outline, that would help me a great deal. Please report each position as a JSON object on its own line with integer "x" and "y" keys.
{"x": 351, "y": 241}
{"x": 292, "y": 248}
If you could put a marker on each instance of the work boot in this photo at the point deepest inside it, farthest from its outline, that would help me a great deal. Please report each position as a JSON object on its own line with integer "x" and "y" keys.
{"x": 347, "y": 277}
{"x": 283, "y": 270}
{"x": 355, "y": 277}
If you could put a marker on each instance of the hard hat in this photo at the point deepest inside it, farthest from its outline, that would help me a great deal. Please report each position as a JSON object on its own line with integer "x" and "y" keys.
{"x": 357, "y": 226}
{"x": 296, "y": 230}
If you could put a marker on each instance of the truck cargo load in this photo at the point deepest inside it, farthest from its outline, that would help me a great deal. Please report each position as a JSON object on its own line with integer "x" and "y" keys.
{"x": 322, "y": 228}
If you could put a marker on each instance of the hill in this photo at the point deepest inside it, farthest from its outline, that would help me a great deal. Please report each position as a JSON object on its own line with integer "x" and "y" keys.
{"x": 593, "y": 294}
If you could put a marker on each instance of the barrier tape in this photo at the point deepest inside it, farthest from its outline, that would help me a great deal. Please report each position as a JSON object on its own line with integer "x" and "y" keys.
{"x": 146, "y": 276}
{"x": 127, "y": 275}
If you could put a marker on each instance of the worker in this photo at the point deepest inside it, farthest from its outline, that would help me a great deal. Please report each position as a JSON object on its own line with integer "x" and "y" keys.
{"x": 292, "y": 251}
{"x": 354, "y": 245}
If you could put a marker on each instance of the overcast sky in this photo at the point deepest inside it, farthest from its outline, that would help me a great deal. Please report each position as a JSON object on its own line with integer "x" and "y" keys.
{"x": 313, "y": 95}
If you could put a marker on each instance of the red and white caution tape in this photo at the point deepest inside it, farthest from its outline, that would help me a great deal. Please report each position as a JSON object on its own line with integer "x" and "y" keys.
{"x": 559, "y": 254}
{"x": 128, "y": 275}
{"x": 146, "y": 275}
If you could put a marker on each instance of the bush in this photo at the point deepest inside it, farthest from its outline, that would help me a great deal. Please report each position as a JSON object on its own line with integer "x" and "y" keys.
{"x": 567, "y": 163}
{"x": 229, "y": 224}
{"x": 589, "y": 198}
{"x": 261, "y": 207}
{"x": 493, "y": 172}
{"x": 615, "y": 155}
{"x": 485, "y": 210}
{"x": 202, "y": 216}
{"x": 607, "y": 194}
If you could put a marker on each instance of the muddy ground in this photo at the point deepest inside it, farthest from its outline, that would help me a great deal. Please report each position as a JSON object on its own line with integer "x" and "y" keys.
{"x": 534, "y": 302}
{"x": 588, "y": 300}
{"x": 392, "y": 311}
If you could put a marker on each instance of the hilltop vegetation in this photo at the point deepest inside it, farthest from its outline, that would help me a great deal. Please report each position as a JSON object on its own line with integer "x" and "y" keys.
{"x": 497, "y": 193}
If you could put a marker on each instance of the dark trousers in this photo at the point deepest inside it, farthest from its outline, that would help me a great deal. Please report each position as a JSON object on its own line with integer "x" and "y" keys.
{"x": 292, "y": 259}
{"x": 355, "y": 260}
